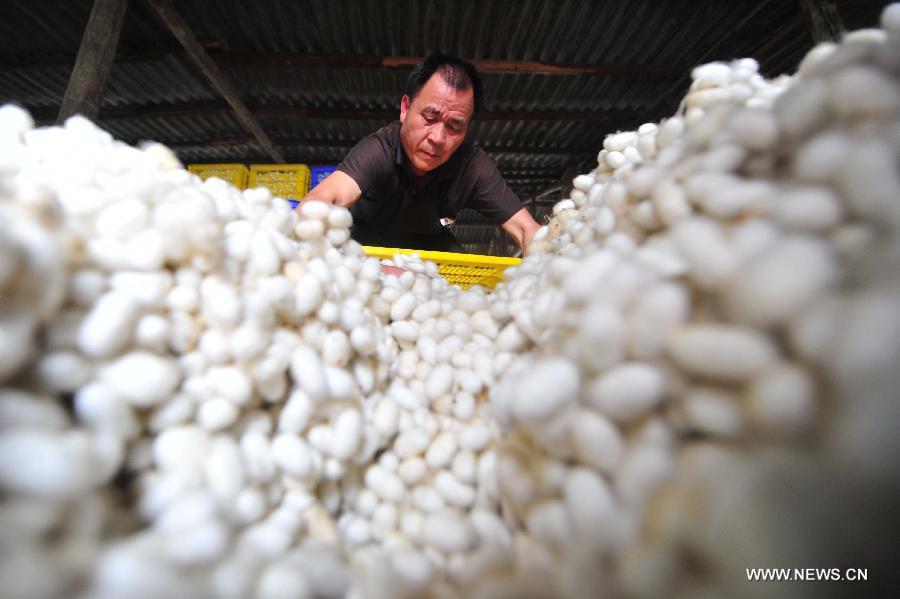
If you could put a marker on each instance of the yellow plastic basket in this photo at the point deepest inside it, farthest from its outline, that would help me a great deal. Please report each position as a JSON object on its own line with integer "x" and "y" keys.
{"x": 289, "y": 181}
{"x": 236, "y": 174}
{"x": 464, "y": 270}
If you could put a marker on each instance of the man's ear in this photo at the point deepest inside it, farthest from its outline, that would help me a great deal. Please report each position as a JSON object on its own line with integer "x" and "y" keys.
{"x": 404, "y": 107}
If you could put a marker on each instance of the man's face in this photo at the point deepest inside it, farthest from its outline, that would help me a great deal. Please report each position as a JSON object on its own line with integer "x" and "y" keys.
{"x": 434, "y": 124}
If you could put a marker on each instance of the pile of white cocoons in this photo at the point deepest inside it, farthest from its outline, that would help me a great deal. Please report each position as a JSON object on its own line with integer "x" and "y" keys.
{"x": 693, "y": 371}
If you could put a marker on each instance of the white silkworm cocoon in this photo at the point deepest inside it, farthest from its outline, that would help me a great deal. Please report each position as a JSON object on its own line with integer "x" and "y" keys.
{"x": 448, "y": 532}
{"x": 284, "y": 580}
{"x": 231, "y": 383}
{"x": 224, "y": 469}
{"x": 597, "y": 442}
{"x": 627, "y": 390}
{"x": 141, "y": 378}
{"x": 619, "y": 141}
{"x": 426, "y": 311}
{"x": 403, "y": 307}
{"x": 632, "y": 155}
{"x": 781, "y": 281}
{"x": 441, "y": 450}
{"x": 615, "y": 159}
{"x": 309, "y": 230}
{"x": 452, "y": 490}
{"x": 264, "y": 257}
{"x": 46, "y": 464}
{"x": 411, "y": 442}
{"x": 183, "y": 298}
{"x": 439, "y": 382}
{"x": 85, "y": 286}
{"x": 146, "y": 251}
{"x": 315, "y": 210}
{"x": 308, "y": 294}
{"x": 389, "y": 461}
{"x": 412, "y": 470}
{"x": 863, "y": 91}
{"x": 643, "y": 180}
{"x": 292, "y": 455}
{"x": 413, "y": 567}
{"x": 181, "y": 447}
{"x": 347, "y": 434}
{"x": 386, "y": 417}
{"x": 385, "y": 483}
{"x": 296, "y": 413}
{"x": 148, "y": 288}
{"x": 755, "y": 129}
{"x": 340, "y": 383}
{"x": 548, "y": 521}
{"x": 152, "y": 332}
{"x": 545, "y": 389}
{"x": 703, "y": 245}
{"x": 782, "y": 399}
{"x": 338, "y": 237}
{"x": 20, "y": 410}
{"x": 807, "y": 209}
{"x": 62, "y": 371}
{"x": 307, "y": 371}
{"x": 319, "y": 436}
{"x": 107, "y": 328}
{"x": 123, "y": 219}
{"x": 405, "y": 330}
{"x": 177, "y": 410}
{"x": 562, "y": 205}
{"x": 101, "y": 409}
{"x": 336, "y": 349}
{"x": 217, "y": 414}
{"x": 250, "y": 505}
{"x": 643, "y": 472}
{"x": 802, "y": 108}
{"x": 601, "y": 339}
{"x": 590, "y": 506}
{"x": 464, "y": 404}
{"x": 722, "y": 352}
{"x": 712, "y": 411}
{"x": 384, "y": 519}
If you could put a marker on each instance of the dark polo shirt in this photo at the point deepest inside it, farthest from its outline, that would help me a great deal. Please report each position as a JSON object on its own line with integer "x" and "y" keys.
{"x": 398, "y": 209}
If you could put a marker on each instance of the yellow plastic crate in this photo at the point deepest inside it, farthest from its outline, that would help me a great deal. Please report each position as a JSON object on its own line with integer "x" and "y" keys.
{"x": 464, "y": 270}
{"x": 236, "y": 174}
{"x": 289, "y": 181}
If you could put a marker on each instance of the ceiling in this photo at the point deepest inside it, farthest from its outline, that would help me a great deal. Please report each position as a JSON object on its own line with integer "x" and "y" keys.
{"x": 320, "y": 75}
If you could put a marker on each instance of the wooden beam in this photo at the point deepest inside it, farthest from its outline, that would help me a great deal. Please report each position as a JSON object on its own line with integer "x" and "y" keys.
{"x": 823, "y": 19}
{"x": 189, "y": 109}
{"x": 407, "y": 62}
{"x": 84, "y": 92}
{"x": 324, "y": 61}
{"x": 349, "y": 143}
{"x": 200, "y": 57}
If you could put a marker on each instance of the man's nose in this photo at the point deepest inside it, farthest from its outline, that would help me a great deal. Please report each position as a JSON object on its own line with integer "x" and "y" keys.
{"x": 437, "y": 135}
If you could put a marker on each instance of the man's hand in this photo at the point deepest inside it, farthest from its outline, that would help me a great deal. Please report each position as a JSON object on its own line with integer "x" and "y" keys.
{"x": 338, "y": 188}
{"x": 521, "y": 227}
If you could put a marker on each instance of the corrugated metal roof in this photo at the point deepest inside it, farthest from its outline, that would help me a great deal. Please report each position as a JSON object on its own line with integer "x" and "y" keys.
{"x": 39, "y": 42}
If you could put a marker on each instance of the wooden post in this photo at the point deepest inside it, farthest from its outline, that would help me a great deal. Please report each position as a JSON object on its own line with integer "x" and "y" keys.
{"x": 84, "y": 93}
{"x": 824, "y": 20}
{"x": 201, "y": 58}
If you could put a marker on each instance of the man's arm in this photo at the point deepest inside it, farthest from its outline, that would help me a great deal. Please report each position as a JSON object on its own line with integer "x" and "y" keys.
{"x": 338, "y": 188}
{"x": 521, "y": 227}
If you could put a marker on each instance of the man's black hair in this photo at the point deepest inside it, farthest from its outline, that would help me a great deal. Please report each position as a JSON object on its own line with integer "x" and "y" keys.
{"x": 459, "y": 74}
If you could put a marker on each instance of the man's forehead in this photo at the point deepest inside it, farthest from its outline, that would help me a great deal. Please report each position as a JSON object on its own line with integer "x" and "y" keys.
{"x": 437, "y": 94}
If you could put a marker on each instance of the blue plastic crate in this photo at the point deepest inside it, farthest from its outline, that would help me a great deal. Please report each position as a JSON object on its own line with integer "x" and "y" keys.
{"x": 318, "y": 173}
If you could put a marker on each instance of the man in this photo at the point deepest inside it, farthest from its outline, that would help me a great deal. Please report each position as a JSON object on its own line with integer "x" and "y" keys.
{"x": 405, "y": 183}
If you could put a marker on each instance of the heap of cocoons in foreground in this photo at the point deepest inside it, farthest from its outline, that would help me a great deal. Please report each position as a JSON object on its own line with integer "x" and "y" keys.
{"x": 691, "y": 373}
